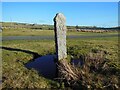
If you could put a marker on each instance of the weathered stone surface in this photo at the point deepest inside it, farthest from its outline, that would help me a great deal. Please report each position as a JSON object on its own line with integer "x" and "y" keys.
{"x": 60, "y": 36}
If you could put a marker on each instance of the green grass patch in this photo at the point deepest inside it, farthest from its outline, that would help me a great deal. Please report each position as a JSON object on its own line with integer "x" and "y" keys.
{"x": 17, "y": 76}
{"x": 26, "y": 32}
{"x": 33, "y": 32}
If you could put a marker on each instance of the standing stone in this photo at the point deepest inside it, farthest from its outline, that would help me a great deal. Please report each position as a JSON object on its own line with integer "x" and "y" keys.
{"x": 60, "y": 36}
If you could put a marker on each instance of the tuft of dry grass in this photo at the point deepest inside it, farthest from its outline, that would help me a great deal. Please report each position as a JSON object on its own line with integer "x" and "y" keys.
{"x": 95, "y": 73}
{"x": 68, "y": 71}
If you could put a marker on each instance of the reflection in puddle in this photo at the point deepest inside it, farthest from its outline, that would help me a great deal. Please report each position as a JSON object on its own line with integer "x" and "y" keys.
{"x": 45, "y": 65}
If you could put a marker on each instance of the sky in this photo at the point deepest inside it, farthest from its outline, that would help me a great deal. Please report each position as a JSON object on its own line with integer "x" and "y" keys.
{"x": 60, "y": 0}
{"x": 101, "y": 14}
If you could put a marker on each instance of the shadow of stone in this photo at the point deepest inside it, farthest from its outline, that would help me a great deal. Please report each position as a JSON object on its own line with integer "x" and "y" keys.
{"x": 45, "y": 65}
{"x": 35, "y": 55}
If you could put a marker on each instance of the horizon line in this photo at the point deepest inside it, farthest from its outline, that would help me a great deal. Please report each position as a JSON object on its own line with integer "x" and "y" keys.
{"x": 53, "y": 24}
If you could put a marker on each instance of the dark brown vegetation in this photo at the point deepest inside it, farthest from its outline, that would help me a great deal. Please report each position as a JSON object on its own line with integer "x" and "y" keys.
{"x": 94, "y": 73}
{"x": 95, "y": 31}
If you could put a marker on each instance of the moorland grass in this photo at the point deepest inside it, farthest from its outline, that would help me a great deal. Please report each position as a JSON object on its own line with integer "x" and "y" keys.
{"x": 33, "y": 32}
{"x": 16, "y": 75}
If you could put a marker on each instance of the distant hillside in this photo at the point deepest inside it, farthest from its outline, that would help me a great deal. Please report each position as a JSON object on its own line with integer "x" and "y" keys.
{"x": 15, "y": 25}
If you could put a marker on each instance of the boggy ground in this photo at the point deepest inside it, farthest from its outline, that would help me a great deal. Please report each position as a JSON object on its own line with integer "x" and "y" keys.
{"x": 17, "y": 53}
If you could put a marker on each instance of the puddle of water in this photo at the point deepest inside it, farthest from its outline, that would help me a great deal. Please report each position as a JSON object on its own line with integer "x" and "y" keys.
{"x": 45, "y": 65}
{"x": 77, "y": 62}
